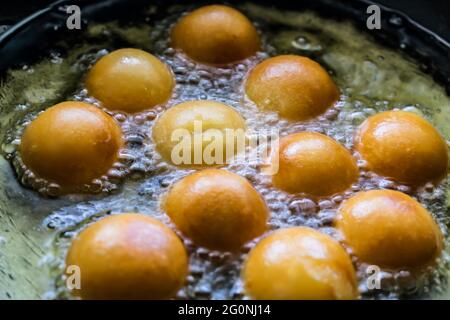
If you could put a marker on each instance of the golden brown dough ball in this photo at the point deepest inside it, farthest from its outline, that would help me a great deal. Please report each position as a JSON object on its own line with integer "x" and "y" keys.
{"x": 403, "y": 146}
{"x": 128, "y": 256}
{"x": 130, "y": 80}
{"x": 314, "y": 164}
{"x": 217, "y": 209}
{"x": 71, "y": 144}
{"x": 175, "y": 133}
{"x": 299, "y": 263}
{"x": 389, "y": 229}
{"x": 295, "y": 87}
{"x": 216, "y": 34}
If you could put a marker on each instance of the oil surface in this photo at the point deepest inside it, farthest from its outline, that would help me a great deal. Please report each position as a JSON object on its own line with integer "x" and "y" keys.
{"x": 36, "y": 230}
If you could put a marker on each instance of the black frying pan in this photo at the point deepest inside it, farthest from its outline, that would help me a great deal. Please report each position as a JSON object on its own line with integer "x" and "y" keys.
{"x": 25, "y": 41}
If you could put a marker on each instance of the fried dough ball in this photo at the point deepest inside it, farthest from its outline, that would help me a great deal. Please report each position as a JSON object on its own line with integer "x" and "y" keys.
{"x": 216, "y": 34}
{"x": 217, "y": 209}
{"x": 389, "y": 229}
{"x": 403, "y": 146}
{"x": 295, "y": 87}
{"x": 299, "y": 263}
{"x": 128, "y": 256}
{"x": 194, "y": 133}
{"x": 71, "y": 144}
{"x": 130, "y": 80}
{"x": 314, "y": 164}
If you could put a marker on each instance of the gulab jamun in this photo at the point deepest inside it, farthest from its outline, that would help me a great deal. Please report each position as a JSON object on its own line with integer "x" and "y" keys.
{"x": 217, "y": 209}
{"x": 403, "y": 146}
{"x": 389, "y": 229}
{"x": 216, "y": 35}
{"x": 194, "y": 133}
{"x": 130, "y": 80}
{"x": 128, "y": 256}
{"x": 299, "y": 263}
{"x": 71, "y": 144}
{"x": 295, "y": 87}
{"x": 313, "y": 164}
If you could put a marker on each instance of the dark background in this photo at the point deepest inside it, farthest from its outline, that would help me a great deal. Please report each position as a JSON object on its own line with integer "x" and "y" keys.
{"x": 433, "y": 14}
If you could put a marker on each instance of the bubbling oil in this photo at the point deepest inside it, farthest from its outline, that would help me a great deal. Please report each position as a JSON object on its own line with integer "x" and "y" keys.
{"x": 140, "y": 178}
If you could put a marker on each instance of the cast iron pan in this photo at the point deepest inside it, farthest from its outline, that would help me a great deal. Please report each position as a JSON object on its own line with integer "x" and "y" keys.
{"x": 28, "y": 40}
